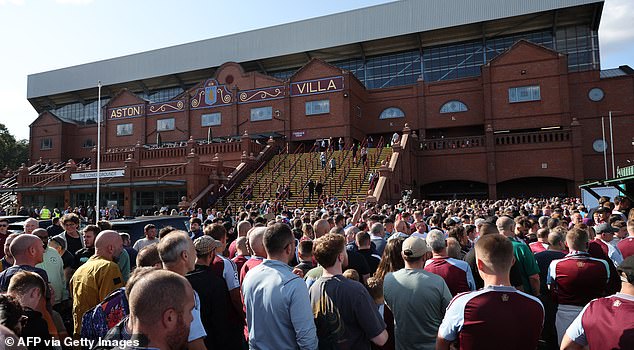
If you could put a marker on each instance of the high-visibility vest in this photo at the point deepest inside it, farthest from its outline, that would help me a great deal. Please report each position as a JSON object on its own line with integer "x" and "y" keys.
{"x": 45, "y": 214}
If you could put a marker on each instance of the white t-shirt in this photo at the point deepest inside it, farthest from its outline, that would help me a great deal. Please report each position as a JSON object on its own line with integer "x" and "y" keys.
{"x": 196, "y": 328}
{"x": 230, "y": 274}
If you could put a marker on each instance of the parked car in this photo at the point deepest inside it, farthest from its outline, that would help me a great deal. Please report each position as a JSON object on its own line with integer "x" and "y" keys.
{"x": 134, "y": 226}
{"x": 14, "y": 218}
{"x": 18, "y": 226}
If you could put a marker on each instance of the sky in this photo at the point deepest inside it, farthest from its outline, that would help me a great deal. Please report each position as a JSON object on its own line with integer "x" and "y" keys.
{"x": 42, "y": 35}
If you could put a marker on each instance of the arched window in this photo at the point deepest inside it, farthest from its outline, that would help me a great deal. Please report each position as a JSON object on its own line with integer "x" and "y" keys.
{"x": 392, "y": 112}
{"x": 453, "y": 106}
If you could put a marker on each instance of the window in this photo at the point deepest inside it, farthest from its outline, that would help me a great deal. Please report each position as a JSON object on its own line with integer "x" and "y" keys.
{"x": 453, "y": 107}
{"x": 125, "y": 129}
{"x": 317, "y": 107}
{"x": 165, "y": 124}
{"x": 391, "y": 113}
{"x": 211, "y": 119}
{"x": 88, "y": 143}
{"x": 261, "y": 113}
{"x": 46, "y": 144}
{"x": 524, "y": 94}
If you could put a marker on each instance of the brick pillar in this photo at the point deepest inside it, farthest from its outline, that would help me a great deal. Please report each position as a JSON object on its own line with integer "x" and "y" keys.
{"x": 130, "y": 165}
{"x": 191, "y": 172}
{"x": 577, "y": 156}
{"x": 490, "y": 157}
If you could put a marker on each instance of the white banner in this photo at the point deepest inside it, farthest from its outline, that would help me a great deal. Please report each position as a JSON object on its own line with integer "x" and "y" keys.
{"x": 93, "y": 174}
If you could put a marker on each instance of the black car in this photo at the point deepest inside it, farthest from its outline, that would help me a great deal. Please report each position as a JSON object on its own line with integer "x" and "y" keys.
{"x": 134, "y": 225}
{"x": 18, "y": 226}
{"x": 14, "y": 218}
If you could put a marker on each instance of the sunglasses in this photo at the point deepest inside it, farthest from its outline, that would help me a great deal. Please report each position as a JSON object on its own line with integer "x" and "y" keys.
{"x": 4, "y": 225}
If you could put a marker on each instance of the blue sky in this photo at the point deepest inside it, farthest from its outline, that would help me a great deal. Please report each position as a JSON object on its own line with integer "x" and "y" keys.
{"x": 41, "y": 35}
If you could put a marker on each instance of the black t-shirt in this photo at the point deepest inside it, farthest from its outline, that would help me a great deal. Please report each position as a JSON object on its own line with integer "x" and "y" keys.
{"x": 357, "y": 261}
{"x": 35, "y": 327}
{"x": 82, "y": 255}
{"x": 352, "y": 306}
{"x": 372, "y": 259}
{"x": 214, "y": 309}
{"x": 543, "y": 261}
{"x": 68, "y": 258}
{"x": 73, "y": 244}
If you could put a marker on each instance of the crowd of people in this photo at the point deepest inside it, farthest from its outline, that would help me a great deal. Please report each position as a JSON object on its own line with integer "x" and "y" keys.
{"x": 545, "y": 273}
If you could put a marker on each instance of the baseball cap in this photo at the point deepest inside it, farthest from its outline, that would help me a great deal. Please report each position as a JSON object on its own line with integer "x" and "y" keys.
{"x": 604, "y": 228}
{"x": 205, "y": 245}
{"x": 627, "y": 267}
{"x": 414, "y": 247}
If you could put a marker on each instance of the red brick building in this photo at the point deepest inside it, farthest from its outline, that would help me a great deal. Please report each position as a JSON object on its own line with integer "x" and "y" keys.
{"x": 524, "y": 117}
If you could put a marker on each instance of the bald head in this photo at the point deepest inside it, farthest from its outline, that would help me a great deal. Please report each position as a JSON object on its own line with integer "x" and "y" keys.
{"x": 321, "y": 227}
{"x": 27, "y": 250}
{"x": 243, "y": 228}
{"x": 256, "y": 243}
{"x": 29, "y": 225}
{"x": 108, "y": 244}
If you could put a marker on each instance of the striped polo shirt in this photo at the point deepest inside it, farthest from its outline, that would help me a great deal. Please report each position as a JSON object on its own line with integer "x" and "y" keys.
{"x": 489, "y": 319}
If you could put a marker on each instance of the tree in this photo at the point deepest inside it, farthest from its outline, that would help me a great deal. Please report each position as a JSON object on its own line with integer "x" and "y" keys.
{"x": 12, "y": 152}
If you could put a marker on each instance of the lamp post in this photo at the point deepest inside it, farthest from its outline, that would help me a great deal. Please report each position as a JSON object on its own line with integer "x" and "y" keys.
{"x": 98, "y": 149}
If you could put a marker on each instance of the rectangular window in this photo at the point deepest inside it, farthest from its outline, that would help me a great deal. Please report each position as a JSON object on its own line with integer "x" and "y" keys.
{"x": 165, "y": 124}
{"x": 88, "y": 143}
{"x": 261, "y": 113}
{"x": 317, "y": 107}
{"x": 211, "y": 119}
{"x": 524, "y": 94}
{"x": 46, "y": 144}
{"x": 125, "y": 129}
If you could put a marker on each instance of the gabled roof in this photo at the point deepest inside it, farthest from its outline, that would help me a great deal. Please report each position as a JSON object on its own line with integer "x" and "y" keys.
{"x": 61, "y": 120}
{"x": 520, "y": 43}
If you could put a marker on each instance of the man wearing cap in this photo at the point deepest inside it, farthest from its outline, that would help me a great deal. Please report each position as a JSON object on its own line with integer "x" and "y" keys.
{"x": 417, "y": 298}
{"x": 606, "y": 323}
{"x": 497, "y": 316}
{"x": 214, "y": 298}
{"x": 575, "y": 280}
{"x": 605, "y": 234}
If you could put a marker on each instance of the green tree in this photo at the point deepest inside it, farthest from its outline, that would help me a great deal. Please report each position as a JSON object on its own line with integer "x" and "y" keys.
{"x": 12, "y": 152}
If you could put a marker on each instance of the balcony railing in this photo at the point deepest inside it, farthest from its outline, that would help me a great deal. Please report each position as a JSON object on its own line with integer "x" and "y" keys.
{"x": 452, "y": 143}
{"x": 532, "y": 137}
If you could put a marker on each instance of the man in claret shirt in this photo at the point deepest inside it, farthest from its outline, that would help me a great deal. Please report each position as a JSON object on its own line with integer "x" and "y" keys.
{"x": 605, "y": 234}
{"x": 606, "y": 323}
{"x": 626, "y": 245}
{"x": 456, "y": 273}
{"x": 542, "y": 241}
{"x": 497, "y": 316}
{"x": 575, "y": 280}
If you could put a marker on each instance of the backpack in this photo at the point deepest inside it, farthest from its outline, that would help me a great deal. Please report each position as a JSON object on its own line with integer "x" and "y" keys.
{"x": 97, "y": 321}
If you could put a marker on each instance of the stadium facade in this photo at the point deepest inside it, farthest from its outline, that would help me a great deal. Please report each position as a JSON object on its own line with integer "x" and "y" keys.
{"x": 501, "y": 98}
